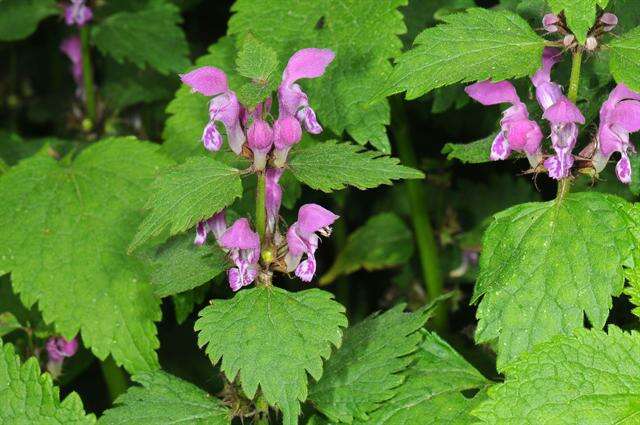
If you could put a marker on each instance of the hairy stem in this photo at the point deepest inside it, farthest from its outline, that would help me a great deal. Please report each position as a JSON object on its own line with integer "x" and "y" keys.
{"x": 261, "y": 211}
{"x": 427, "y": 246}
{"x": 115, "y": 378}
{"x": 87, "y": 75}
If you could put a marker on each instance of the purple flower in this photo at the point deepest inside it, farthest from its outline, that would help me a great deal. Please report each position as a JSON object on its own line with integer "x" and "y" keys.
{"x": 550, "y": 22}
{"x": 609, "y": 20}
{"x": 273, "y": 197}
{"x": 244, "y": 248}
{"x": 217, "y": 225}
{"x": 58, "y": 348}
{"x": 260, "y": 140}
{"x": 518, "y": 132}
{"x": 302, "y": 239}
{"x": 223, "y": 107}
{"x": 547, "y": 92}
{"x": 286, "y": 133}
{"x": 72, "y": 47}
{"x": 305, "y": 63}
{"x": 619, "y": 116}
{"x": 77, "y": 13}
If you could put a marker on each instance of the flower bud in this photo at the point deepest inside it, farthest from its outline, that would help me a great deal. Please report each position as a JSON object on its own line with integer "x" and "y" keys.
{"x": 260, "y": 140}
{"x": 568, "y": 40}
{"x": 591, "y": 44}
{"x": 549, "y": 22}
{"x": 286, "y": 133}
{"x": 609, "y": 20}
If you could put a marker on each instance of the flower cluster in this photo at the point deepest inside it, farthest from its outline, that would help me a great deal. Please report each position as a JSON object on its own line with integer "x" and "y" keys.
{"x": 619, "y": 116}
{"x": 255, "y": 134}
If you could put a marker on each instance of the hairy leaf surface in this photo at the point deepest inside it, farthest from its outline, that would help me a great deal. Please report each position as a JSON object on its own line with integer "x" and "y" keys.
{"x": 625, "y": 59}
{"x": 19, "y": 18}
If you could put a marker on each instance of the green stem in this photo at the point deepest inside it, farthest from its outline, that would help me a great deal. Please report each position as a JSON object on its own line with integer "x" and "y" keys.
{"x": 261, "y": 211}
{"x": 87, "y": 75}
{"x": 339, "y": 237}
{"x": 115, "y": 378}
{"x": 427, "y": 246}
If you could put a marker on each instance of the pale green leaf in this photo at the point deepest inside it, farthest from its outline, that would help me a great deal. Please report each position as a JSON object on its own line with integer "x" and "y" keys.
{"x": 384, "y": 241}
{"x": 580, "y": 15}
{"x": 187, "y": 194}
{"x": 545, "y": 265}
{"x": 475, "y": 45}
{"x": 148, "y": 36}
{"x": 330, "y": 166}
{"x": 364, "y": 36}
{"x": 470, "y": 153}
{"x": 272, "y": 338}
{"x": 27, "y": 397}
{"x": 625, "y": 59}
{"x": 8, "y": 323}
{"x": 363, "y": 373}
{"x": 164, "y": 399}
{"x": 19, "y": 18}
{"x": 432, "y": 391}
{"x": 65, "y": 230}
{"x": 588, "y": 378}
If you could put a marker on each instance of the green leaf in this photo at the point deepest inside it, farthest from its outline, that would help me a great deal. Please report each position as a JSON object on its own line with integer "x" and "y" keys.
{"x": 580, "y": 15}
{"x": 19, "y": 18}
{"x": 332, "y": 166}
{"x": 363, "y": 373}
{"x": 258, "y": 63}
{"x": 432, "y": 391}
{"x": 628, "y": 15}
{"x": 187, "y": 194}
{"x": 165, "y": 399}
{"x": 180, "y": 265}
{"x": 588, "y": 378}
{"x": 149, "y": 36}
{"x": 384, "y": 241}
{"x": 283, "y": 335}
{"x": 363, "y": 34}
{"x": 546, "y": 264}
{"x": 126, "y": 85}
{"x": 475, "y": 45}
{"x": 185, "y": 302}
{"x": 65, "y": 230}
{"x": 27, "y": 397}
{"x": 8, "y": 323}
{"x": 625, "y": 59}
{"x": 470, "y": 153}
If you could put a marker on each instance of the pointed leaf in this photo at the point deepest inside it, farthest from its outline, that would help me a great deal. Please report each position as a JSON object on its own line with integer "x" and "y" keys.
{"x": 470, "y": 153}
{"x": 625, "y": 59}
{"x": 19, "y": 18}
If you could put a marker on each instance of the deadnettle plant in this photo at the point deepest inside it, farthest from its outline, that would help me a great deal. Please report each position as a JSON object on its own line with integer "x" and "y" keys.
{"x": 77, "y": 13}
{"x": 72, "y": 48}
{"x": 59, "y": 348}
{"x": 254, "y": 133}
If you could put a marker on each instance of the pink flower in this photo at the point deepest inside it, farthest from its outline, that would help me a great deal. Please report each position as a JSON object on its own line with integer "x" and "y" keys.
{"x": 77, "y": 13}
{"x": 609, "y": 20}
{"x": 72, "y": 47}
{"x": 305, "y": 63}
{"x": 58, "y": 348}
{"x": 217, "y": 225}
{"x": 243, "y": 245}
{"x": 273, "y": 198}
{"x": 260, "y": 141}
{"x": 223, "y": 107}
{"x": 286, "y": 133}
{"x": 303, "y": 240}
{"x": 550, "y": 22}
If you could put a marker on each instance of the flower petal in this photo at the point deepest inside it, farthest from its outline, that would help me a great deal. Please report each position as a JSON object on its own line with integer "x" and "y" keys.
{"x": 240, "y": 236}
{"x": 489, "y": 93}
{"x": 313, "y": 217}
{"x": 307, "y": 63}
{"x": 564, "y": 111}
{"x": 206, "y": 80}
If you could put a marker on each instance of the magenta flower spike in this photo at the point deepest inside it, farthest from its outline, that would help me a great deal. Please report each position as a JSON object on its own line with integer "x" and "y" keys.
{"x": 609, "y": 20}
{"x": 223, "y": 107}
{"x": 550, "y": 22}
{"x": 273, "y": 198}
{"x": 286, "y": 133}
{"x": 260, "y": 141}
{"x": 58, "y": 348}
{"x": 217, "y": 225}
{"x": 619, "y": 116}
{"x": 305, "y": 63}
{"x": 72, "y": 48}
{"x": 518, "y": 132}
{"x": 243, "y": 245}
{"x": 303, "y": 240}
{"x": 77, "y": 13}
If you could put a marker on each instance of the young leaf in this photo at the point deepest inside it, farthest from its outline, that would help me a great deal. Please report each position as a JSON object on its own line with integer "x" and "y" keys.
{"x": 150, "y": 35}
{"x": 470, "y": 153}
{"x": 27, "y": 397}
{"x": 363, "y": 34}
{"x": 164, "y": 399}
{"x": 272, "y": 338}
{"x": 332, "y": 166}
{"x": 363, "y": 372}
{"x": 19, "y": 18}
{"x": 475, "y": 45}
{"x": 187, "y": 194}
{"x": 384, "y": 241}
{"x": 588, "y": 378}
{"x": 258, "y": 63}
{"x": 580, "y": 15}
{"x": 544, "y": 265}
{"x": 432, "y": 390}
{"x": 625, "y": 59}
{"x": 75, "y": 222}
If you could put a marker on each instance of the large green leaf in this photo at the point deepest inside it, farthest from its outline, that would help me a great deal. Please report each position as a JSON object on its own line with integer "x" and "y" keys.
{"x": 625, "y": 59}
{"x": 65, "y": 230}
{"x": 432, "y": 391}
{"x": 588, "y": 378}
{"x": 187, "y": 194}
{"x": 27, "y": 397}
{"x": 164, "y": 399}
{"x": 580, "y": 15}
{"x": 470, "y": 153}
{"x": 19, "y": 18}
{"x": 363, "y": 373}
{"x": 272, "y": 338}
{"x": 544, "y": 265}
{"x": 475, "y": 45}
{"x": 383, "y": 241}
{"x": 150, "y": 35}
{"x": 332, "y": 166}
{"x": 362, "y": 33}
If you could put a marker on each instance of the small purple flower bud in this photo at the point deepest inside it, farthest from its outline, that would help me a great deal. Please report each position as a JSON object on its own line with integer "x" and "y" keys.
{"x": 286, "y": 133}
{"x": 568, "y": 40}
{"x": 609, "y": 20}
{"x": 260, "y": 140}
{"x": 623, "y": 169}
{"x": 77, "y": 13}
{"x": 549, "y": 22}
{"x": 211, "y": 138}
{"x": 591, "y": 44}
{"x": 59, "y": 348}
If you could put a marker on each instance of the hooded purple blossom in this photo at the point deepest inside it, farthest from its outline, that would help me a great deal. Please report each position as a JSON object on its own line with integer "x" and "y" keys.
{"x": 77, "y": 13}
{"x": 619, "y": 116}
{"x": 244, "y": 248}
{"x": 72, "y": 47}
{"x": 302, "y": 239}
{"x": 58, "y": 348}
{"x": 609, "y": 20}
{"x": 518, "y": 132}
{"x": 217, "y": 225}
{"x": 260, "y": 140}
{"x": 223, "y": 107}
{"x": 550, "y": 22}
{"x": 273, "y": 197}
{"x": 305, "y": 63}
{"x": 286, "y": 133}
